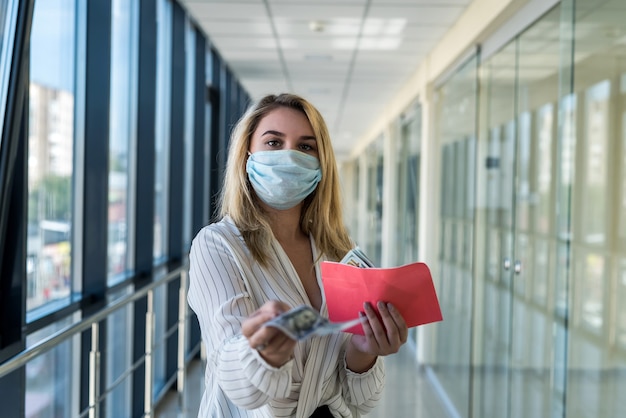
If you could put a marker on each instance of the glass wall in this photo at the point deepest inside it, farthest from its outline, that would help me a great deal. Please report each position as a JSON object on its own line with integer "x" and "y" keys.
{"x": 7, "y": 26}
{"x": 456, "y": 136}
{"x": 162, "y": 129}
{"x": 123, "y": 125}
{"x": 596, "y": 373}
{"x": 52, "y": 379}
{"x": 190, "y": 89}
{"x": 371, "y": 239}
{"x": 407, "y": 191}
{"x": 51, "y": 154}
{"x": 494, "y": 230}
{"x": 99, "y": 91}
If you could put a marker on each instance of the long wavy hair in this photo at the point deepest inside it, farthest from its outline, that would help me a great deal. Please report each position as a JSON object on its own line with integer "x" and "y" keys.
{"x": 321, "y": 215}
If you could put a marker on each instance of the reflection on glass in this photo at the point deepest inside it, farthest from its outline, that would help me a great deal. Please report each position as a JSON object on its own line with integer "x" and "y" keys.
{"x": 119, "y": 358}
{"x": 374, "y": 201}
{"x": 190, "y": 88}
{"x": 596, "y": 373}
{"x": 121, "y": 137}
{"x": 50, "y": 149}
{"x": 542, "y": 184}
{"x": 51, "y": 377}
{"x": 590, "y": 276}
{"x": 621, "y": 308}
{"x": 160, "y": 334}
{"x": 407, "y": 189}
{"x": 7, "y": 26}
{"x": 456, "y": 127}
{"x": 162, "y": 128}
{"x": 593, "y": 176}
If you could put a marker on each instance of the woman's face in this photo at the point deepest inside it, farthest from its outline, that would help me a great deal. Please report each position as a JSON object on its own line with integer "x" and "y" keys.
{"x": 282, "y": 129}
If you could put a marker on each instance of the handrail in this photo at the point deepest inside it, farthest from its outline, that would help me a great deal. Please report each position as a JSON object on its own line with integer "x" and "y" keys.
{"x": 62, "y": 335}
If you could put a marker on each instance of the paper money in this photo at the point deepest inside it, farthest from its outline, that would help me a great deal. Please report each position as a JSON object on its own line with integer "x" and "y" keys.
{"x": 356, "y": 257}
{"x": 303, "y": 322}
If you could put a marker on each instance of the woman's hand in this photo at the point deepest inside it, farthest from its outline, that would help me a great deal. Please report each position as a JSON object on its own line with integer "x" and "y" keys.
{"x": 382, "y": 337}
{"x": 272, "y": 344}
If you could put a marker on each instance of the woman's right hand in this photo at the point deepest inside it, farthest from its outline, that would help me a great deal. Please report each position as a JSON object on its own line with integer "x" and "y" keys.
{"x": 271, "y": 343}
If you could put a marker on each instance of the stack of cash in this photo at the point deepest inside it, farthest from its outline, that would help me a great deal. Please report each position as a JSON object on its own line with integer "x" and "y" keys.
{"x": 303, "y": 322}
{"x": 356, "y": 257}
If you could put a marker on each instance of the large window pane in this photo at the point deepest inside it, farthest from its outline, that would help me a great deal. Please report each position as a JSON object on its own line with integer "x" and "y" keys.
{"x": 408, "y": 187}
{"x": 51, "y": 150}
{"x": 596, "y": 373}
{"x": 121, "y": 136}
{"x": 190, "y": 89}
{"x": 7, "y": 27}
{"x": 456, "y": 137}
{"x": 52, "y": 387}
{"x": 119, "y": 331}
{"x": 162, "y": 129}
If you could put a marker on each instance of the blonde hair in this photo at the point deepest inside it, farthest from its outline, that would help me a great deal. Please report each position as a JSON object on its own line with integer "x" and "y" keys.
{"x": 321, "y": 215}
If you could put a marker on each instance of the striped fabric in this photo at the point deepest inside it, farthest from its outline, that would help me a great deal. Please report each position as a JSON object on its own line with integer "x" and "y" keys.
{"x": 226, "y": 286}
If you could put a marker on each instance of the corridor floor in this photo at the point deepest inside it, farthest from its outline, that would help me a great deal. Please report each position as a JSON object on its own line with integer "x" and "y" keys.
{"x": 408, "y": 393}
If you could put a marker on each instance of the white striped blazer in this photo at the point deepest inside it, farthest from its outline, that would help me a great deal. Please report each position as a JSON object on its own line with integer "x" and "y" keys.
{"x": 226, "y": 286}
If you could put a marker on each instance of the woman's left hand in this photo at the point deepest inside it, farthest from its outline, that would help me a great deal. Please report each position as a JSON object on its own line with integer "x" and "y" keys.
{"x": 383, "y": 336}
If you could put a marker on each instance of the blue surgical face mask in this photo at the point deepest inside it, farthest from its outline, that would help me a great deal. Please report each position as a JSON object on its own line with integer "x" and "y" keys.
{"x": 283, "y": 178}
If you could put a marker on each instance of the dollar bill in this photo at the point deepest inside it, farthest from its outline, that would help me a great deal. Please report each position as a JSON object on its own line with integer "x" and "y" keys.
{"x": 303, "y": 322}
{"x": 356, "y": 257}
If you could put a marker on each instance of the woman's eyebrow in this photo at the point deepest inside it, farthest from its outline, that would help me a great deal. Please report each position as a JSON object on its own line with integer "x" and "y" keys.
{"x": 280, "y": 134}
{"x": 272, "y": 132}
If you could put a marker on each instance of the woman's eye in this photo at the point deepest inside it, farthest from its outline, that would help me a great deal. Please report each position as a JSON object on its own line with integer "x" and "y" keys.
{"x": 273, "y": 143}
{"x": 306, "y": 147}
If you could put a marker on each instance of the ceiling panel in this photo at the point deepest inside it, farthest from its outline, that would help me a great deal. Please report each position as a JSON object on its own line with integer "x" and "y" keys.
{"x": 348, "y": 57}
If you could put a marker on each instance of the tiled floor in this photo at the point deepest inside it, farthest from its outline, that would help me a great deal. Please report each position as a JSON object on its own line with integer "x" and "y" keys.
{"x": 408, "y": 393}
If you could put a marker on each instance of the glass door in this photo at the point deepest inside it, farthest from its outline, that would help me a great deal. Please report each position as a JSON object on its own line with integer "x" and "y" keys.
{"x": 518, "y": 248}
{"x": 535, "y": 246}
{"x": 494, "y": 226}
{"x": 456, "y": 136}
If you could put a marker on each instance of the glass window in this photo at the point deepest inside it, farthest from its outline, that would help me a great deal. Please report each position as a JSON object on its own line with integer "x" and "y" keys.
{"x": 51, "y": 151}
{"x": 162, "y": 129}
{"x": 621, "y": 201}
{"x": 542, "y": 191}
{"x": 52, "y": 378}
{"x": 119, "y": 326}
{"x": 190, "y": 90}
{"x": 408, "y": 187}
{"x": 121, "y": 136}
{"x": 7, "y": 26}
{"x": 374, "y": 202}
{"x": 596, "y": 163}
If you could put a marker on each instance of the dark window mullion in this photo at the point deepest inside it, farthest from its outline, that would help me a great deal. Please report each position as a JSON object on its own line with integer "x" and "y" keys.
{"x": 144, "y": 198}
{"x": 176, "y": 177}
{"x": 95, "y": 171}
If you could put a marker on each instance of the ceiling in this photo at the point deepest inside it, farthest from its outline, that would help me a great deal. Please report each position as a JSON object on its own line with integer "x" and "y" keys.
{"x": 348, "y": 57}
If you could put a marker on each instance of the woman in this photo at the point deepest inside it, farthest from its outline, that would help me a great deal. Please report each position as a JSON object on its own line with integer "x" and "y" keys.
{"x": 280, "y": 216}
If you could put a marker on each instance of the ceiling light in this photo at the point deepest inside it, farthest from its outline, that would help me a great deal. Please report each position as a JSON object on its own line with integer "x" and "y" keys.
{"x": 317, "y": 26}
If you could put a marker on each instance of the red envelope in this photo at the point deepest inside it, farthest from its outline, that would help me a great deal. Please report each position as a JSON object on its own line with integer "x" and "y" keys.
{"x": 409, "y": 288}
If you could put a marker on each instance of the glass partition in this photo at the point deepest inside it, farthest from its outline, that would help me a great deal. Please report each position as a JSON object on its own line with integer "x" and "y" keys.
{"x": 596, "y": 372}
{"x": 162, "y": 128}
{"x": 123, "y": 106}
{"x": 494, "y": 229}
{"x": 408, "y": 187}
{"x": 372, "y": 243}
{"x": 51, "y": 155}
{"x": 456, "y": 135}
{"x": 7, "y": 28}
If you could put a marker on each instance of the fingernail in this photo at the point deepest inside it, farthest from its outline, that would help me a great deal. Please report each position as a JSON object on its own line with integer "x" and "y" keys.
{"x": 390, "y": 306}
{"x": 381, "y": 305}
